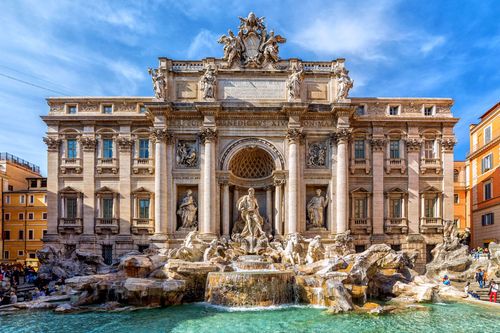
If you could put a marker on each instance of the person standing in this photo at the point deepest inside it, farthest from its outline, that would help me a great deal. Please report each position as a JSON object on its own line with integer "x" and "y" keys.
{"x": 480, "y": 278}
{"x": 493, "y": 291}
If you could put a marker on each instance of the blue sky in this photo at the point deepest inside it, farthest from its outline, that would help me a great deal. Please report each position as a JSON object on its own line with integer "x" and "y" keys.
{"x": 393, "y": 48}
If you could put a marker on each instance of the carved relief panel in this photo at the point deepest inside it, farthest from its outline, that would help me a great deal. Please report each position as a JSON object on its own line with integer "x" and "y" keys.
{"x": 317, "y": 154}
{"x": 187, "y": 154}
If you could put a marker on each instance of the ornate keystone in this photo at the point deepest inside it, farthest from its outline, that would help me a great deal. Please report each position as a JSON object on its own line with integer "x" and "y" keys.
{"x": 295, "y": 135}
{"x": 52, "y": 143}
{"x": 208, "y": 134}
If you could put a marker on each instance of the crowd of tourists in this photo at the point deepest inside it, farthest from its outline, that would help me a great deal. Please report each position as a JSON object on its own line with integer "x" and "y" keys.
{"x": 477, "y": 252}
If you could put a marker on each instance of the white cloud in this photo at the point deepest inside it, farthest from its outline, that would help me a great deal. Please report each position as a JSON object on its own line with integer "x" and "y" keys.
{"x": 432, "y": 43}
{"x": 204, "y": 44}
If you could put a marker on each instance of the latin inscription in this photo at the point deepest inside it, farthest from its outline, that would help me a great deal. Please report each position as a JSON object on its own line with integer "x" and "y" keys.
{"x": 252, "y": 89}
{"x": 252, "y": 123}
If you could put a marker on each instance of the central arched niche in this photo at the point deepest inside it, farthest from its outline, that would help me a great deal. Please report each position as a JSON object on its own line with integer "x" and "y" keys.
{"x": 252, "y": 163}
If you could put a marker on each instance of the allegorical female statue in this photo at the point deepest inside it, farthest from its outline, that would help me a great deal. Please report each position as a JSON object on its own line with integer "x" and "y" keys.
{"x": 187, "y": 211}
{"x": 315, "y": 210}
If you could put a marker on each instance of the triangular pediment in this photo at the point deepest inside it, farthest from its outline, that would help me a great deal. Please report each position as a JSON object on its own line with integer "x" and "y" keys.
{"x": 430, "y": 189}
{"x": 360, "y": 190}
{"x": 396, "y": 190}
{"x": 140, "y": 190}
{"x": 105, "y": 189}
{"x": 69, "y": 189}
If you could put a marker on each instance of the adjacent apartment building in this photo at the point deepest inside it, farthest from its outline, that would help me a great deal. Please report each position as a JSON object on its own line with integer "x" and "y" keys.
{"x": 483, "y": 185}
{"x": 24, "y": 209}
{"x": 460, "y": 196}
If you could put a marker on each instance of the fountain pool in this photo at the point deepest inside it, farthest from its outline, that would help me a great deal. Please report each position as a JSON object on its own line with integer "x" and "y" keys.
{"x": 201, "y": 318}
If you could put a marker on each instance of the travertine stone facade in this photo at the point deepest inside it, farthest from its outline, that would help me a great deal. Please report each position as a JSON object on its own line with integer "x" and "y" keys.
{"x": 220, "y": 126}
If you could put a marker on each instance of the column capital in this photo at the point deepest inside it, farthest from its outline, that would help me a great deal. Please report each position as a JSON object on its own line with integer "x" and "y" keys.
{"x": 413, "y": 144}
{"x": 378, "y": 144}
{"x": 160, "y": 135}
{"x": 448, "y": 144}
{"x": 52, "y": 143}
{"x": 295, "y": 135}
{"x": 342, "y": 135}
{"x": 88, "y": 143}
{"x": 124, "y": 143}
{"x": 208, "y": 134}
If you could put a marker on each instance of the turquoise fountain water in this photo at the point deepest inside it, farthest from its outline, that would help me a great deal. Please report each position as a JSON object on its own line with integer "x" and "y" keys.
{"x": 199, "y": 318}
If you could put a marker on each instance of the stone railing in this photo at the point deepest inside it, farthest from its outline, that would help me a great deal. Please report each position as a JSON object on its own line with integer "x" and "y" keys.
{"x": 431, "y": 224}
{"x": 110, "y": 224}
{"x": 143, "y": 165}
{"x": 71, "y": 164}
{"x": 360, "y": 164}
{"x": 143, "y": 225}
{"x": 396, "y": 225}
{"x": 361, "y": 225}
{"x": 395, "y": 164}
{"x": 70, "y": 224}
{"x": 107, "y": 165}
{"x": 430, "y": 164}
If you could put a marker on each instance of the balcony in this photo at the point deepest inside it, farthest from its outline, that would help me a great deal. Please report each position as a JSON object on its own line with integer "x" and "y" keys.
{"x": 361, "y": 225}
{"x": 430, "y": 164}
{"x": 395, "y": 164}
{"x": 143, "y": 226}
{"x": 69, "y": 165}
{"x": 396, "y": 225}
{"x": 70, "y": 225}
{"x": 142, "y": 166}
{"x": 107, "y": 165}
{"x": 360, "y": 164}
{"x": 431, "y": 225}
{"x": 103, "y": 224}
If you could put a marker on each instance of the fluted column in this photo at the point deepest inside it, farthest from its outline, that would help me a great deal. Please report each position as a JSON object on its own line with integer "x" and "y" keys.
{"x": 225, "y": 208}
{"x": 278, "y": 210}
{"x": 208, "y": 136}
{"x": 294, "y": 137}
{"x": 160, "y": 136}
{"x": 342, "y": 137}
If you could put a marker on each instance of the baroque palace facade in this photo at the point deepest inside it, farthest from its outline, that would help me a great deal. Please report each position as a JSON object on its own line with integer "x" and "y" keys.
{"x": 125, "y": 173}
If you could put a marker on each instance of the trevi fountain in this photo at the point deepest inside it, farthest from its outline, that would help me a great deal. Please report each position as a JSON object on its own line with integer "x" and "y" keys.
{"x": 256, "y": 279}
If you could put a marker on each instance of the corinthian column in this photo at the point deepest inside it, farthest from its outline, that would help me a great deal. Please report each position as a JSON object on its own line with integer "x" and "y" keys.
{"x": 208, "y": 136}
{"x": 342, "y": 137}
{"x": 160, "y": 136}
{"x": 294, "y": 137}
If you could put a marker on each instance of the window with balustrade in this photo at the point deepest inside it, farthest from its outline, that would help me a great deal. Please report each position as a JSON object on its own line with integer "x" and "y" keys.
{"x": 71, "y": 149}
{"x": 394, "y": 149}
{"x": 107, "y": 209}
{"x": 107, "y": 148}
{"x": 142, "y": 212}
{"x": 395, "y": 211}
{"x": 359, "y": 149}
{"x": 144, "y": 148}
{"x": 429, "y": 149}
{"x": 360, "y": 210}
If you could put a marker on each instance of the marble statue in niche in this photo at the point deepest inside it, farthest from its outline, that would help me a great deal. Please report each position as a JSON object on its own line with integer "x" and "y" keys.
{"x": 316, "y": 155}
{"x": 208, "y": 83}
{"x": 187, "y": 154}
{"x": 294, "y": 82}
{"x": 315, "y": 211}
{"x": 187, "y": 212}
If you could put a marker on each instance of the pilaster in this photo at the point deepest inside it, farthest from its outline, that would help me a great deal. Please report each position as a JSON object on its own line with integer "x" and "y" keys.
{"x": 378, "y": 145}
{"x": 413, "y": 152}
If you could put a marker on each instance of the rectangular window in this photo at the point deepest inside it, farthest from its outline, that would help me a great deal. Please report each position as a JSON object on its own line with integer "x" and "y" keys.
{"x": 144, "y": 208}
{"x": 31, "y": 234}
{"x": 71, "y": 109}
{"x": 487, "y": 219}
{"x": 487, "y": 134}
{"x": 107, "y": 109}
{"x": 143, "y": 148}
{"x": 31, "y": 216}
{"x": 107, "y": 208}
{"x": 6, "y": 235}
{"x": 22, "y": 199}
{"x": 396, "y": 208}
{"x": 429, "y": 149}
{"x": 10, "y": 188}
{"x": 6, "y": 216}
{"x": 44, "y": 216}
{"x": 360, "y": 208}
{"x": 71, "y": 148}
{"x": 394, "y": 148}
{"x": 43, "y": 183}
{"x": 455, "y": 198}
{"x": 107, "y": 254}
{"x": 428, "y": 111}
{"x": 393, "y": 110}
{"x": 32, "y": 199}
{"x": 21, "y": 217}
{"x": 7, "y": 199}
{"x": 488, "y": 191}
{"x": 45, "y": 199}
{"x": 33, "y": 183}
{"x": 21, "y": 234}
{"x": 107, "y": 148}
{"x": 32, "y": 255}
{"x": 71, "y": 208}
{"x": 360, "y": 110}
{"x": 486, "y": 163}
{"x": 44, "y": 232}
{"x": 20, "y": 253}
{"x": 6, "y": 254}
{"x": 359, "y": 149}
{"x": 429, "y": 206}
